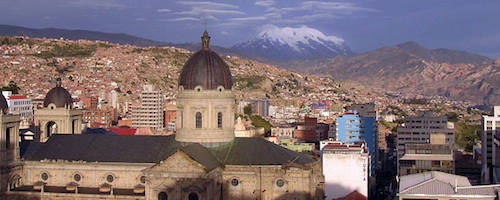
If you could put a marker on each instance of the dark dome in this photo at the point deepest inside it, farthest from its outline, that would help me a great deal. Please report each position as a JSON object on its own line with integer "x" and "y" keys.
{"x": 3, "y": 103}
{"x": 58, "y": 96}
{"x": 206, "y": 69}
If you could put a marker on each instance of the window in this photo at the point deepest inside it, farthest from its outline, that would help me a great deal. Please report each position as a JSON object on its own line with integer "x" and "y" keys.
{"x": 7, "y": 138}
{"x": 235, "y": 182}
{"x": 198, "y": 120}
{"x": 77, "y": 177}
{"x": 219, "y": 120}
{"x": 142, "y": 179}
{"x": 280, "y": 182}
{"x": 162, "y": 196}
{"x": 44, "y": 176}
{"x": 193, "y": 196}
{"x": 110, "y": 178}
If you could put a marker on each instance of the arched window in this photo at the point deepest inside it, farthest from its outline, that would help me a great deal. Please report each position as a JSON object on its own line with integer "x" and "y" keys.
{"x": 193, "y": 196}
{"x": 219, "y": 120}
{"x": 198, "y": 120}
{"x": 162, "y": 196}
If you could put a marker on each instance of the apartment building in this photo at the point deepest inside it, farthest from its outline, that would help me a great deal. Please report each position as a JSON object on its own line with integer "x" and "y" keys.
{"x": 434, "y": 156}
{"x": 346, "y": 168}
{"x": 19, "y": 105}
{"x": 418, "y": 130}
{"x": 352, "y": 127}
{"x": 490, "y": 139}
{"x": 149, "y": 112}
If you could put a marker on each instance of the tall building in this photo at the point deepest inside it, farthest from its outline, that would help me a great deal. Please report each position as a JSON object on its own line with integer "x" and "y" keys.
{"x": 261, "y": 107}
{"x": 346, "y": 169}
{"x": 365, "y": 109}
{"x": 19, "y": 104}
{"x": 490, "y": 169}
{"x": 419, "y": 129}
{"x": 351, "y": 127}
{"x": 150, "y": 113}
{"x": 306, "y": 130}
{"x": 434, "y": 156}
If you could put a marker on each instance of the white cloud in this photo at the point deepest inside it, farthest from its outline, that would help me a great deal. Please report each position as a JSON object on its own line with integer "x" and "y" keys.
{"x": 254, "y": 18}
{"x": 97, "y": 4}
{"x": 141, "y": 19}
{"x": 163, "y": 10}
{"x": 265, "y": 3}
{"x": 206, "y": 4}
{"x": 345, "y": 8}
{"x": 208, "y": 10}
{"x": 310, "y": 11}
{"x": 181, "y": 19}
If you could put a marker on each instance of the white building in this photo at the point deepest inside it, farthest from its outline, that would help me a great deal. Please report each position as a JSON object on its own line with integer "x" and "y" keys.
{"x": 489, "y": 126}
{"x": 19, "y": 105}
{"x": 345, "y": 167}
{"x": 150, "y": 113}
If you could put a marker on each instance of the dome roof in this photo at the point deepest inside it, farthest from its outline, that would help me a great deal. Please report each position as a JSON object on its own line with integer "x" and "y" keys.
{"x": 3, "y": 103}
{"x": 58, "y": 96}
{"x": 206, "y": 69}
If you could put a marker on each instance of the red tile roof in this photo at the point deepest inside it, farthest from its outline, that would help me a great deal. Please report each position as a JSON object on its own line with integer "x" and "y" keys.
{"x": 355, "y": 195}
{"x": 18, "y": 97}
{"x": 123, "y": 131}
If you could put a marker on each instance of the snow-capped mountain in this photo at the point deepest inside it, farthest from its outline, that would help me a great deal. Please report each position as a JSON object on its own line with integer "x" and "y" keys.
{"x": 283, "y": 44}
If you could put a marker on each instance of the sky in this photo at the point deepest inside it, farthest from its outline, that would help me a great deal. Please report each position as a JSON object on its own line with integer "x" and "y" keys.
{"x": 365, "y": 25}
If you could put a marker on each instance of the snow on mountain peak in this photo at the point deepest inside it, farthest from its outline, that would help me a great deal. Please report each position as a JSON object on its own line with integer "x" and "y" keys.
{"x": 295, "y": 36}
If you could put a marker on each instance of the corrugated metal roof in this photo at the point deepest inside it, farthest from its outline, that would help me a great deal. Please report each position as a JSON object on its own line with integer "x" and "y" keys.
{"x": 447, "y": 157}
{"x": 431, "y": 187}
{"x": 409, "y": 181}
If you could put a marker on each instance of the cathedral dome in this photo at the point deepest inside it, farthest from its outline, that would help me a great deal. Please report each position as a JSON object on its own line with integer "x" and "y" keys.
{"x": 58, "y": 96}
{"x": 3, "y": 103}
{"x": 206, "y": 69}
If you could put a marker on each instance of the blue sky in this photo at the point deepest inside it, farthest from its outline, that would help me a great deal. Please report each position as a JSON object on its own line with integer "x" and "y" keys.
{"x": 472, "y": 26}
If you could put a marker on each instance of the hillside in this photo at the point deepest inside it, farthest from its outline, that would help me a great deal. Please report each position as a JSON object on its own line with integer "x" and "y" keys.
{"x": 412, "y": 68}
{"x": 89, "y": 67}
{"x": 118, "y": 38}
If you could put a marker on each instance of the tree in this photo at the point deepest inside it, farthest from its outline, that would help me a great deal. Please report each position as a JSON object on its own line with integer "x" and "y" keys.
{"x": 12, "y": 86}
{"x": 248, "y": 110}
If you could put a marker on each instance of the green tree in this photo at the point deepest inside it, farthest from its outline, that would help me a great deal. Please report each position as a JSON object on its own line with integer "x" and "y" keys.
{"x": 248, "y": 110}
{"x": 12, "y": 86}
{"x": 466, "y": 135}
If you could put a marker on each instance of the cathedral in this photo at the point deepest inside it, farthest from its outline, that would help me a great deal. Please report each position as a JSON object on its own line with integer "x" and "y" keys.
{"x": 203, "y": 160}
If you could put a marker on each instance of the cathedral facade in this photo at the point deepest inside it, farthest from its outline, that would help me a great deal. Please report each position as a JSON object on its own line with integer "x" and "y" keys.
{"x": 204, "y": 160}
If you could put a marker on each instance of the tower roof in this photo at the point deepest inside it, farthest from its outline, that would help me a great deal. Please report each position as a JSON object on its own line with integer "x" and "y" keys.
{"x": 206, "y": 69}
{"x": 58, "y": 96}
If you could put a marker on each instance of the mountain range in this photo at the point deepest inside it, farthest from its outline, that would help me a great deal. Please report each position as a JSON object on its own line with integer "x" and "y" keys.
{"x": 412, "y": 68}
{"x": 405, "y": 68}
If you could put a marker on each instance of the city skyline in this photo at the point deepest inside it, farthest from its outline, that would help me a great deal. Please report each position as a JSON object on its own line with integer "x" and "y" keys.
{"x": 364, "y": 25}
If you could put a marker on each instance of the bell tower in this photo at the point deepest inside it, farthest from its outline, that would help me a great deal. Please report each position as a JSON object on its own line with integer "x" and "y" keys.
{"x": 205, "y": 102}
{"x": 57, "y": 115}
{"x": 10, "y": 164}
